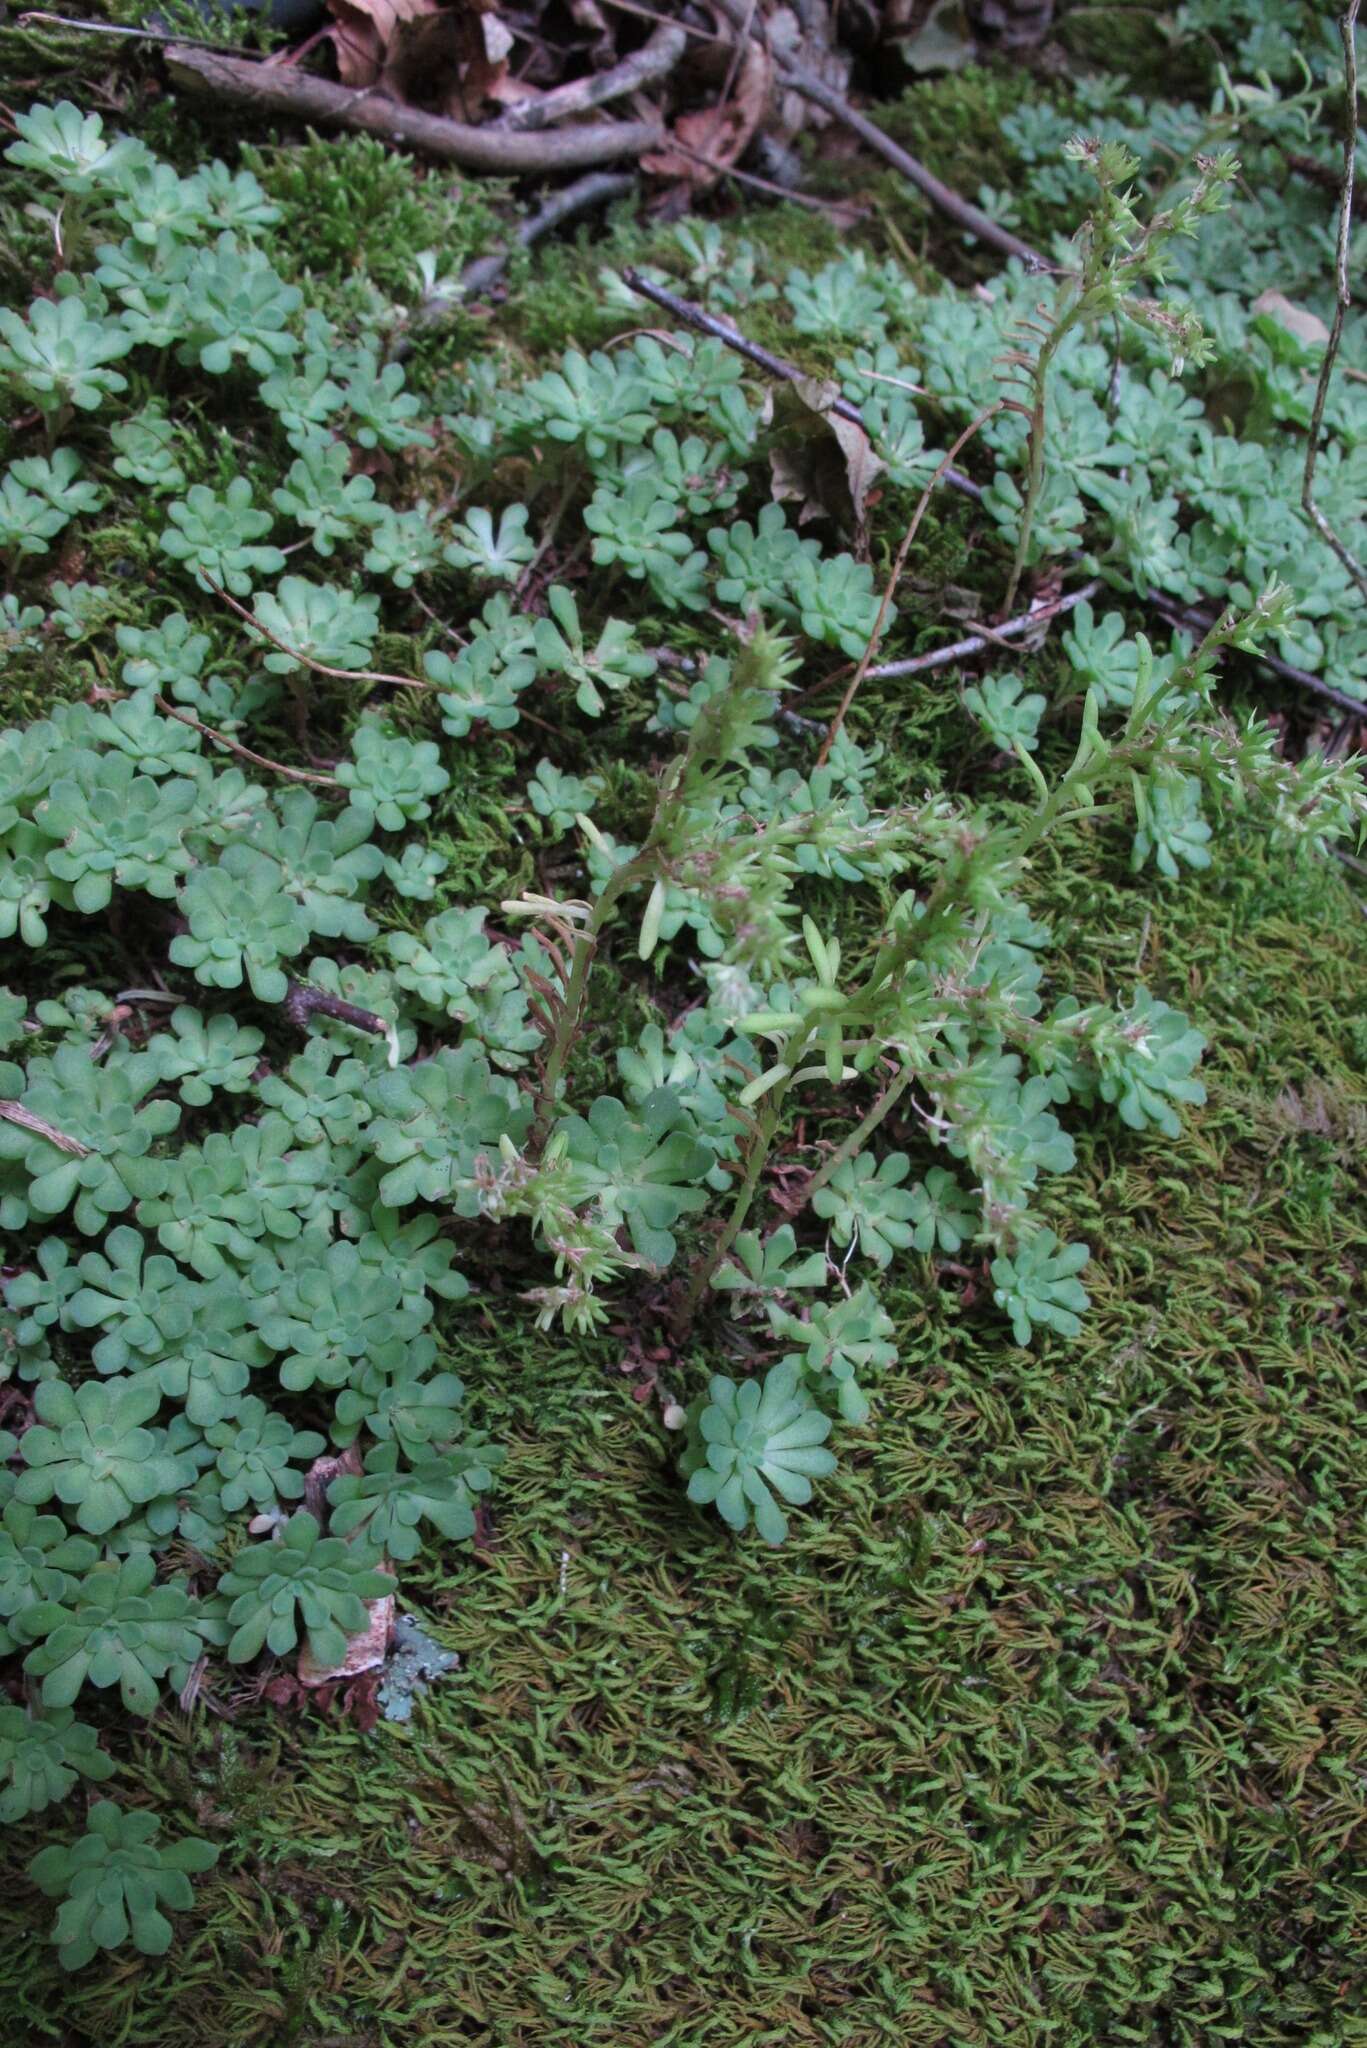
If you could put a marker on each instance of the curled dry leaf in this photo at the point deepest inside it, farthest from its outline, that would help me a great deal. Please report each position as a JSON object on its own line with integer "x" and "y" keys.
{"x": 449, "y": 59}
{"x": 721, "y": 134}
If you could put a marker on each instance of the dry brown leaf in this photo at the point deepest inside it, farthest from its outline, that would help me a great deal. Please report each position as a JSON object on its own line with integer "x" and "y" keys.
{"x": 722, "y": 133}
{"x": 447, "y": 58}
{"x": 832, "y": 475}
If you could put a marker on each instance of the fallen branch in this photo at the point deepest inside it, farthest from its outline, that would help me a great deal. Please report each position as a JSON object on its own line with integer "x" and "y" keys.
{"x": 13, "y": 1113}
{"x": 656, "y": 58}
{"x": 1343, "y": 299}
{"x": 303, "y": 97}
{"x": 941, "y": 196}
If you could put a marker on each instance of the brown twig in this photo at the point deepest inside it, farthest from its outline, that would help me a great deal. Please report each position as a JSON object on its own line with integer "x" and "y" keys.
{"x": 304, "y": 999}
{"x": 889, "y": 590}
{"x": 14, "y": 1113}
{"x": 941, "y": 196}
{"x": 656, "y": 58}
{"x": 304, "y": 97}
{"x": 245, "y": 753}
{"x": 763, "y": 359}
{"x": 345, "y": 675}
{"x": 1343, "y": 299}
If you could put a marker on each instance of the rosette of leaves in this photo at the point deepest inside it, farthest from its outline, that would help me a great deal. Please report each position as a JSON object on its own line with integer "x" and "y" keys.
{"x": 153, "y": 745}
{"x": 392, "y": 776}
{"x": 38, "y": 1557}
{"x": 57, "y": 479}
{"x": 560, "y": 798}
{"x": 942, "y": 1215}
{"x": 1038, "y": 1287}
{"x": 415, "y": 1408}
{"x": 416, "y": 1249}
{"x": 70, "y": 148}
{"x": 1171, "y": 830}
{"x": 481, "y": 684}
{"x": 256, "y": 1453}
{"x": 866, "y": 1195}
{"x": 42, "y": 1292}
{"x": 117, "y": 1628}
{"x": 636, "y": 528}
{"x": 753, "y": 1441}
{"x": 414, "y": 872}
{"x": 303, "y": 397}
{"x": 59, "y": 357}
{"x": 225, "y": 1195}
{"x": 88, "y": 1134}
{"x": 211, "y": 1366}
{"x": 641, "y": 1168}
{"x": 769, "y": 1266}
{"x": 591, "y": 399}
{"x": 611, "y": 663}
{"x": 327, "y": 862}
{"x": 117, "y": 827}
{"x": 142, "y": 1301}
{"x": 170, "y": 656}
{"x": 836, "y": 601}
{"x": 1006, "y": 711}
{"x": 842, "y": 1341}
{"x": 758, "y": 562}
{"x": 1141, "y": 1058}
{"x": 26, "y": 887}
{"x": 27, "y": 522}
{"x": 217, "y": 538}
{"x": 327, "y": 1309}
{"x": 242, "y": 923}
{"x": 497, "y": 552}
{"x": 380, "y": 408}
{"x": 301, "y": 1576}
{"x": 328, "y": 625}
{"x": 155, "y": 200}
{"x": 90, "y": 1449}
{"x": 403, "y": 545}
{"x": 455, "y": 970}
{"x": 114, "y": 1881}
{"x": 204, "y": 1054}
{"x": 236, "y": 306}
{"x": 323, "y": 1102}
{"x": 320, "y": 494}
{"x": 433, "y": 1120}
{"x": 390, "y": 1501}
{"x": 146, "y": 451}
{"x": 41, "y": 1756}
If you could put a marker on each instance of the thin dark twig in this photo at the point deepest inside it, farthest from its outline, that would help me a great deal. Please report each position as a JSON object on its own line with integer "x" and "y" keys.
{"x": 245, "y": 753}
{"x": 1343, "y": 299}
{"x": 764, "y": 359}
{"x": 981, "y": 643}
{"x": 941, "y": 196}
{"x": 833, "y": 733}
